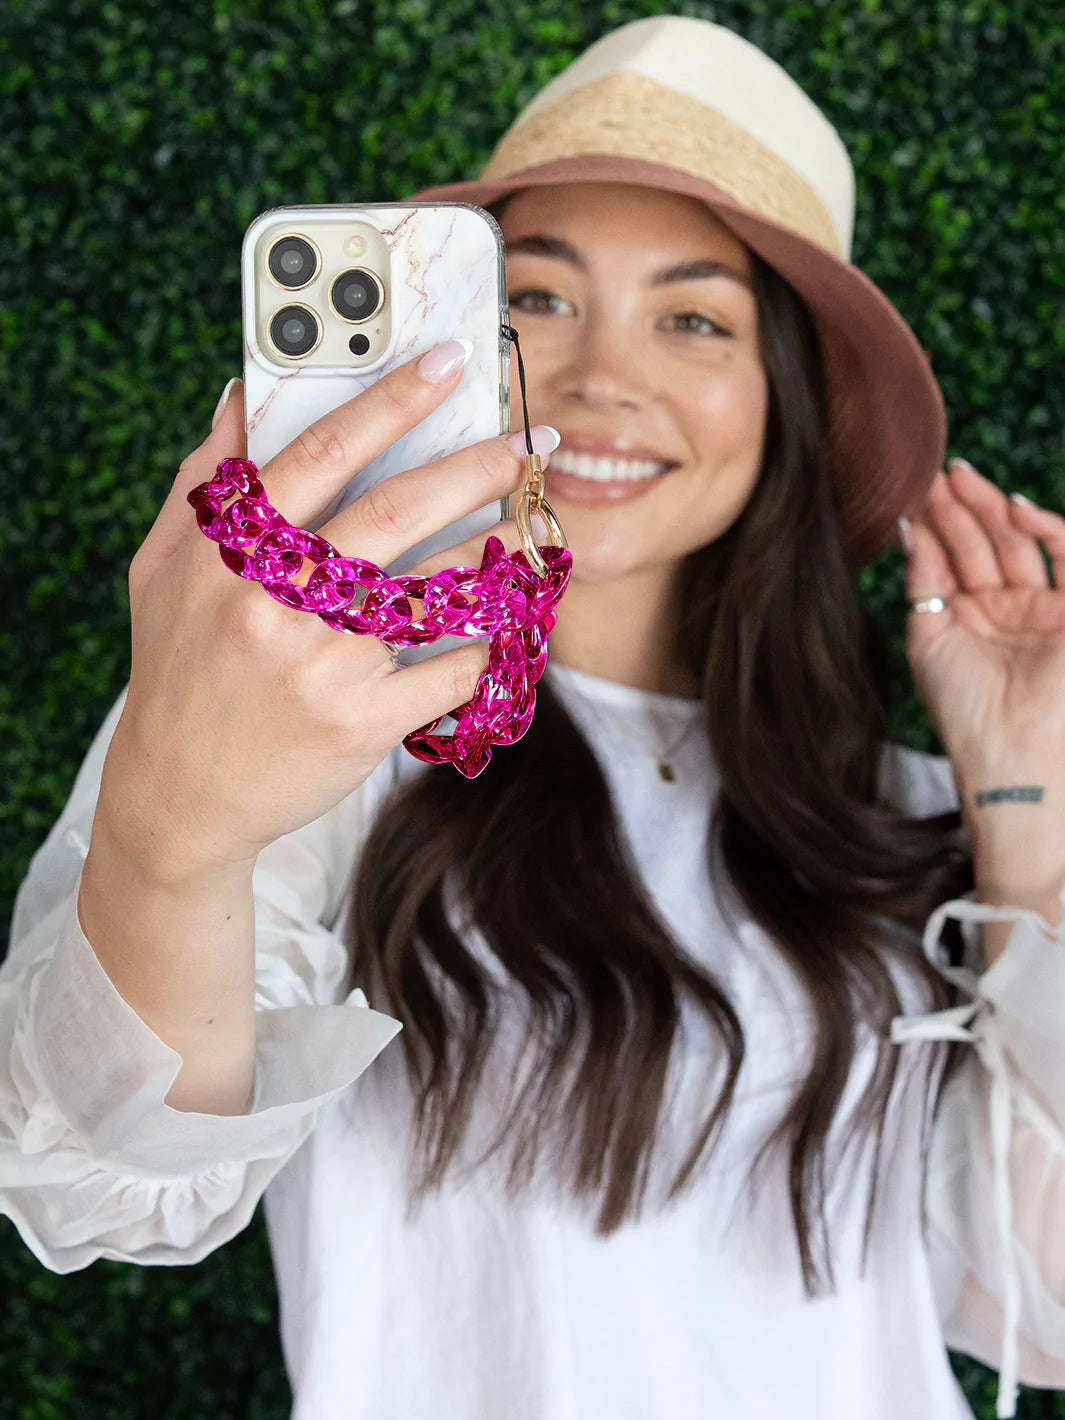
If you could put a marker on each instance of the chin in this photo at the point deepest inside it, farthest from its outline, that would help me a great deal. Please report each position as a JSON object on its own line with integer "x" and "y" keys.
{"x": 600, "y": 562}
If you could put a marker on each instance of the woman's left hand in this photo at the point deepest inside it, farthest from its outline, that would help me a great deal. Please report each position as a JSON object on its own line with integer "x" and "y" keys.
{"x": 991, "y": 667}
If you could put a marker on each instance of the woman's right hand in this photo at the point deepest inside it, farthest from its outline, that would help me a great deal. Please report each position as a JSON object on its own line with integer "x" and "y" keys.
{"x": 246, "y": 719}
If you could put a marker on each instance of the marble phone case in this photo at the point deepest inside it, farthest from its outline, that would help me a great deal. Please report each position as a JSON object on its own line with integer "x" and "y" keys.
{"x": 446, "y": 279}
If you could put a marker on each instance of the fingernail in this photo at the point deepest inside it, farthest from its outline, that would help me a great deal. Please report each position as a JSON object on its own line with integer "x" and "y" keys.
{"x": 545, "y": 440}
{"x": 222, "y": 402}
{"x": 961, "y": 463}
{"x": 443, "y": 360}
{"x": 906, "y": 535}
{"x": 1022, "y": 500}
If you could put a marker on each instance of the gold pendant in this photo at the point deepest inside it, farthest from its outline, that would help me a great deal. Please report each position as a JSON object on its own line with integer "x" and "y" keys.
{"x": 665, "y": 771}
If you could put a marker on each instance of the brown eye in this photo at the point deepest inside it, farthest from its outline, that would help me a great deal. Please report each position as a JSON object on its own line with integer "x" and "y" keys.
{"x": 537, "y": 302}
{"x": 694, "y": 323}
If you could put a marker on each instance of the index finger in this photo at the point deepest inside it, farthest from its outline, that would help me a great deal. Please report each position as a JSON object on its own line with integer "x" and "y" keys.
{"x": 308, "y": 472}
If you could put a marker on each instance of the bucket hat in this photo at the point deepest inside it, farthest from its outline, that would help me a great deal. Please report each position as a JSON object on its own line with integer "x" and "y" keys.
{"x": 688, "y": 106}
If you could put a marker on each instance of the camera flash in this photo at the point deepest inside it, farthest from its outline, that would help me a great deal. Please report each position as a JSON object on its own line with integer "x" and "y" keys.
{"x": 356, "y": 246}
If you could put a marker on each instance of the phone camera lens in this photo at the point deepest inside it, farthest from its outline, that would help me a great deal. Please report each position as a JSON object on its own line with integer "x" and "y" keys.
{"x": 294, "y": 330}
{"x": 292, "y": 262}
{"x": 356, "y": 295}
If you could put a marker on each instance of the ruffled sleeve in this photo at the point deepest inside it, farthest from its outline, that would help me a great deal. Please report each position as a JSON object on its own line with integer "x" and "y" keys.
{"x": 93, "y": 1162}
{"x": 995, "y": 1182}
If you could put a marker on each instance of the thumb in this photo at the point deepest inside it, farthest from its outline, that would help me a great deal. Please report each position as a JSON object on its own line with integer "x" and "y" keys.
{"x": 227, "y": 439}
{"x": 227, "y": 422}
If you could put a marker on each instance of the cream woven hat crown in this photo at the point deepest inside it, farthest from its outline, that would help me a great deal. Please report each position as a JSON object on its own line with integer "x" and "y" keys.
{"x": 687, "y": 106}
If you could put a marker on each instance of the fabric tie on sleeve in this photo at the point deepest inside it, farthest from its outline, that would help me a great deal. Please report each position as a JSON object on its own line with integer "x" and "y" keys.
{"x": 976, "y": 1022}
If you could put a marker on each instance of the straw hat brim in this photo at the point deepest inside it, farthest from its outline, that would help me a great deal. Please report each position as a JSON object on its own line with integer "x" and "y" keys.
{"x": 886, "y": 425}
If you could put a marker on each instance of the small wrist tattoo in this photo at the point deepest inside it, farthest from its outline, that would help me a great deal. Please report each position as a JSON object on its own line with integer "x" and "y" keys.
{"x": 1019, "y": 794}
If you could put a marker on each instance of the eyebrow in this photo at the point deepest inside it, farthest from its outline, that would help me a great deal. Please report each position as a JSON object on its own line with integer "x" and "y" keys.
{"x": 558, "y": 250}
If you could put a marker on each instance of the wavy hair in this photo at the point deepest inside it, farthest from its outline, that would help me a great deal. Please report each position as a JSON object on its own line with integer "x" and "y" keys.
{"x": 796, "y": 709}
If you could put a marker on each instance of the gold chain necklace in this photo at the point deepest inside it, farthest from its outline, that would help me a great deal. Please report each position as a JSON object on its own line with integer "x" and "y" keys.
{"x": 664, "y": 756}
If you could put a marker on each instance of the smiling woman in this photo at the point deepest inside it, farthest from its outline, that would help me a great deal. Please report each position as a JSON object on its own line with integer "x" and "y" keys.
{"x": 743, "y": 418}
{"x": 671, "y": 1127}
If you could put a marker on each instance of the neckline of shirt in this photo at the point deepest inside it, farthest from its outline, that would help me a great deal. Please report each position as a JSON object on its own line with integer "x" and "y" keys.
{"x": 612, "y": 692}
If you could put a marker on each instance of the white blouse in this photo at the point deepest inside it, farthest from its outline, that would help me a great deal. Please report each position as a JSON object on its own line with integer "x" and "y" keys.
{"x": 478, "y": 1306}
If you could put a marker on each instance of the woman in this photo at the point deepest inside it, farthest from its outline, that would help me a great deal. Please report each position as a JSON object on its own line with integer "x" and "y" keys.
{"x": 657, "y": 1138}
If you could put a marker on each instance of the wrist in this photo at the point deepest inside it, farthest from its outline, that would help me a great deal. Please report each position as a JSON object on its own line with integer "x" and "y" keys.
{"x": 1012, "y": 802}
{"x": 1014, "y": 815}
{"x": 1009, "y": 884}
{"x": 1020, "y": 869}
{"x": 156, "y": 851}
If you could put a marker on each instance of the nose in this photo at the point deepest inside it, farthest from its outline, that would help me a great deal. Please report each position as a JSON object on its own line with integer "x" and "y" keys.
{"x": 605, "y": 370}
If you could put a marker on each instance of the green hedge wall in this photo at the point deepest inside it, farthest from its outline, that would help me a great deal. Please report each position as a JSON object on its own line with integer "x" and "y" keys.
{"x": 137, "y": 141}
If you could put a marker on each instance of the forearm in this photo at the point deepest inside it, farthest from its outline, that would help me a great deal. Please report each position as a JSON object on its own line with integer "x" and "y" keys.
{"x": 180, "y": 950}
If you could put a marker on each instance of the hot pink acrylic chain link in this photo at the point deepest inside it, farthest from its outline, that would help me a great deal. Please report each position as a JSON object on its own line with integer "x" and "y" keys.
{"x": 503, "y": 598}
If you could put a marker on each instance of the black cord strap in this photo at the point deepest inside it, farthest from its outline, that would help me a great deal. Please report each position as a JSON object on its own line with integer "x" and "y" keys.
{"x": 512, "y": 335}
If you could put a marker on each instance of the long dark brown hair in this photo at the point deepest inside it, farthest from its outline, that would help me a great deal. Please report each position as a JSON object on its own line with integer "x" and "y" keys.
{"x": 796, "y": 708}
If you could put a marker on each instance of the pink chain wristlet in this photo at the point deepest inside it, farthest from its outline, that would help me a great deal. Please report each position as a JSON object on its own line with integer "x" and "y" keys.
{"x": 505, "y": 598}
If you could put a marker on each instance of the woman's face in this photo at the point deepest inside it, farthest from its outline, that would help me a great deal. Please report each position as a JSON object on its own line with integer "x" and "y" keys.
{"x": 639, "y": 333}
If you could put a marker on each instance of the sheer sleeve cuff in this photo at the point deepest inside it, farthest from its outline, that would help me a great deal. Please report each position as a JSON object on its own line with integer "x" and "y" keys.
{"x": 1015, "y": 1020}
{"x": 1026, "y": 988}
{"x": 93, "y": 1068}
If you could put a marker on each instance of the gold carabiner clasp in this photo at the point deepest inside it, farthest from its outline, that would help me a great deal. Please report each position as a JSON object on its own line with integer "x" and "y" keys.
{"x": 532, "y": 500}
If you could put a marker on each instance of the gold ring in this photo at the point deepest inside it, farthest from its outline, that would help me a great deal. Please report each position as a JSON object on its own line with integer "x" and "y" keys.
{"x": 523, "y": 517}
{"x": 532, "y": 501}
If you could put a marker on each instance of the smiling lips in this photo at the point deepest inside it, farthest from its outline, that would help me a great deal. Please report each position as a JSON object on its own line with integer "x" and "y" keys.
{"x": 591, "y": 469}
{"x": 603, "y": 470}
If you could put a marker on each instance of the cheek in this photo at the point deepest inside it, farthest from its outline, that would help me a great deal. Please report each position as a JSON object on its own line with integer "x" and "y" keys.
{"x": 731, "y": 403}
{"x": 724, "y": 420}
{"x": 736, "y": 394}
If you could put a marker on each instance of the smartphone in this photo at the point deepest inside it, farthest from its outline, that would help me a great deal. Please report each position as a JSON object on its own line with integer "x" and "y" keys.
{"x": 333, "y": 297}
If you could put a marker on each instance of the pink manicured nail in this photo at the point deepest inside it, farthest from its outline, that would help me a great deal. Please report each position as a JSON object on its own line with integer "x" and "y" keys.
{"x": 906, "y": 535}
{"x": 545, "y": 440}
{"x": 1022, "y": 500}
{"x": 443, "y": 360}
{"x": 222, "y": 402}
{"x": 962, "y": 463}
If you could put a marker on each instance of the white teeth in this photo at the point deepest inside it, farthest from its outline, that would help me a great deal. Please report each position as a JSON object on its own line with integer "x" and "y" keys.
{"x": 605, "y": 470}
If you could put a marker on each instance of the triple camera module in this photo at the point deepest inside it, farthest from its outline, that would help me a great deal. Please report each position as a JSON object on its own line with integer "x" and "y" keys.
{"x": 356, "y": 296}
